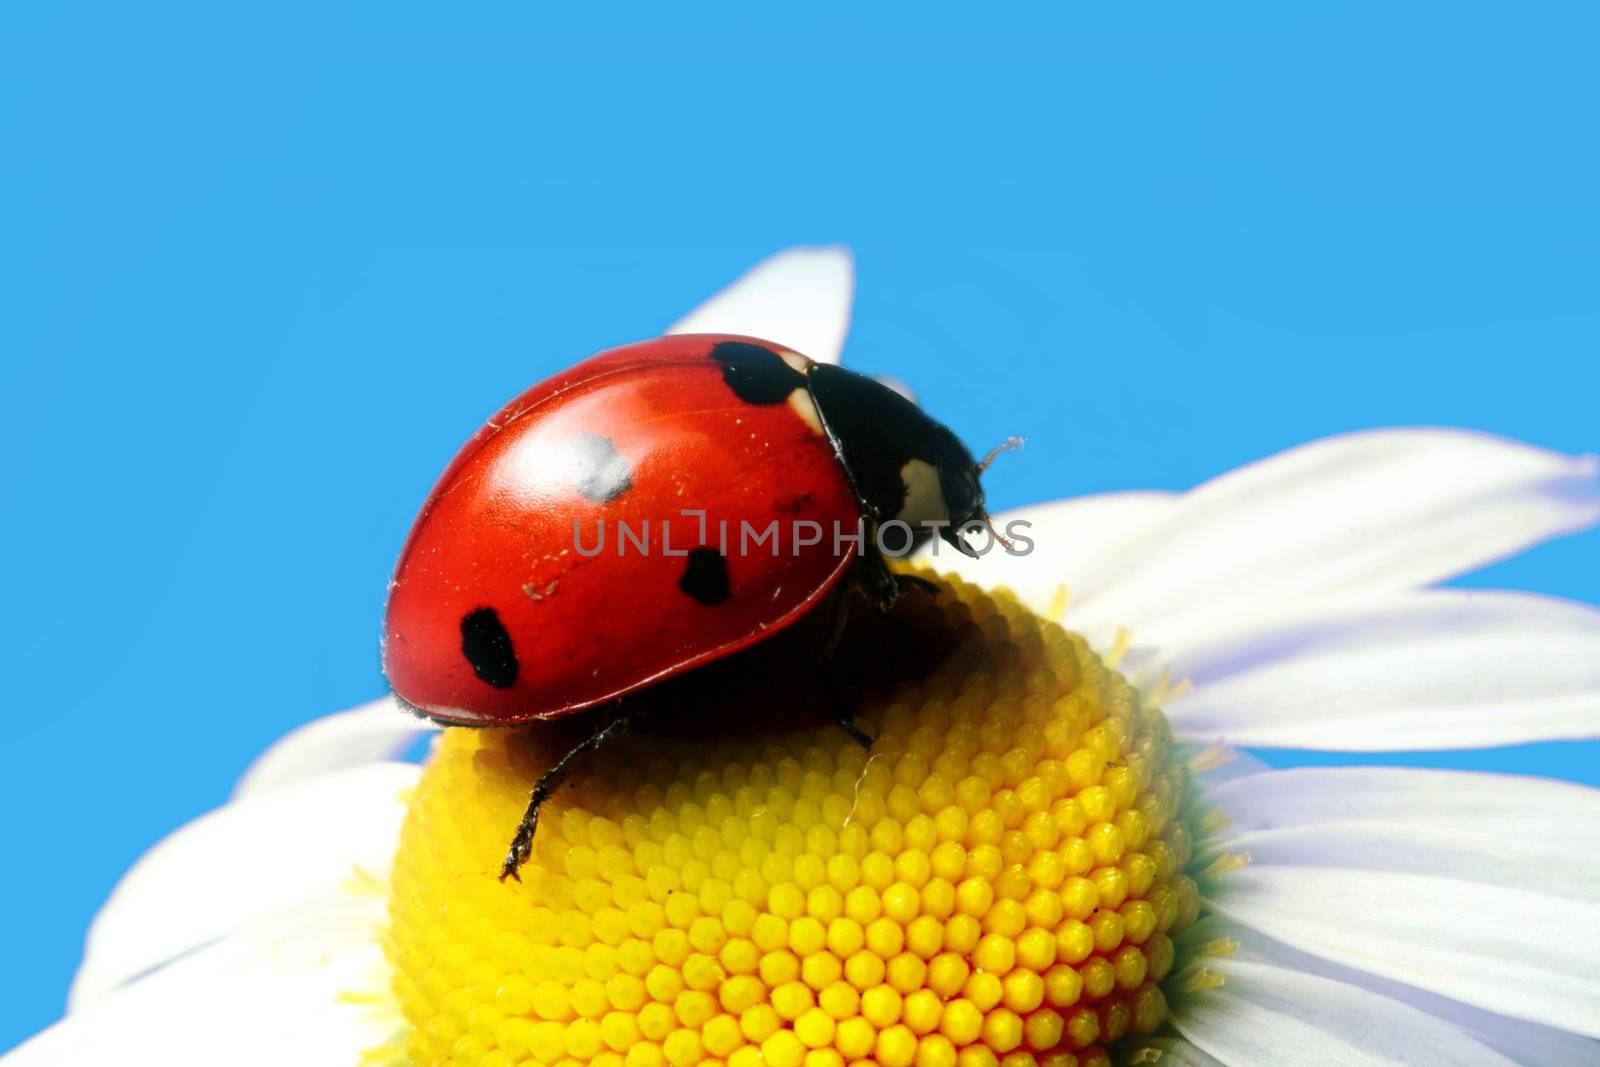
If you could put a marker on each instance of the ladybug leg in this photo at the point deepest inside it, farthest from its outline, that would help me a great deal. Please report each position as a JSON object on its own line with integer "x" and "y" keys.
{"x": 823, "y": 656}
{"x": 883, "y": 587}
{"x": 841, "y": 710}
{"x": 877, "y": 582}
{"x": 897, "y": 627}
{"x": 916, "y": 581}
{"x": 545, "y": 788}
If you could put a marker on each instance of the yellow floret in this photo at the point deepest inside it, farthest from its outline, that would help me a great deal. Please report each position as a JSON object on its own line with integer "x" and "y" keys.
{"x": 996, "y": 882}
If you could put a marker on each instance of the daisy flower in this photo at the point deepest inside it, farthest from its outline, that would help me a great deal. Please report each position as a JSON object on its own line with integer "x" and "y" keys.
{"x": 1049, "y": 856}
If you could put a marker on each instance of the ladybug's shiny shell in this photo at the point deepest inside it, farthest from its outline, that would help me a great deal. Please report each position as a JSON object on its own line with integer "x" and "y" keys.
{"x": 604, "y": 530}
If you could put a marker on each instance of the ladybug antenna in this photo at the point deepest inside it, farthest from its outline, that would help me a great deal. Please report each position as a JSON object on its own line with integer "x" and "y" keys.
{"x": 1010, "y": 444}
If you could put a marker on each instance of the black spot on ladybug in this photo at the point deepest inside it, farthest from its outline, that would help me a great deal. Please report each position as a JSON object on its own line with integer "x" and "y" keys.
{"x": 487, "y": 646}
{"x": 756, "y": 375}
{"x": 705, "y": 576}
{"x": 600, "y": 471}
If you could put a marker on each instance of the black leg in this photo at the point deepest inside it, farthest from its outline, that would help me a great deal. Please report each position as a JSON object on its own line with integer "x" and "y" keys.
{"x": 549, "y": 782}
{"x": 876, "y": 581}
{"x": 916, "y": 581}
{"x": 839, "y": 615}
{"x": 897, "y": 626}
{"x": 840, "y": 710}
{"x": 822, "y": 657}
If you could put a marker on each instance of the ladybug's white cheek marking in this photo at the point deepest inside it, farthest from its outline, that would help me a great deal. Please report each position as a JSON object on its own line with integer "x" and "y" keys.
{"x": 800, "y": 400}
{"x": 795, "y": 360}
{"x": 924, "y": 497}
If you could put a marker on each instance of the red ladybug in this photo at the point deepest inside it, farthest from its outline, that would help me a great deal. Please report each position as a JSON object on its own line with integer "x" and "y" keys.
{"x": 653, "y": 508}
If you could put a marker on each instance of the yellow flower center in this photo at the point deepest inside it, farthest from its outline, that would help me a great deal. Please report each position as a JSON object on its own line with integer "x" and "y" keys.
{"x": 997, "y": 881}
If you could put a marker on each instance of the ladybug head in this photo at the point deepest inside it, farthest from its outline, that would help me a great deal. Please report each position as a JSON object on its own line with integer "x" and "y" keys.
{"x": 960, "y": 482}
{"x": 901, "y": 462}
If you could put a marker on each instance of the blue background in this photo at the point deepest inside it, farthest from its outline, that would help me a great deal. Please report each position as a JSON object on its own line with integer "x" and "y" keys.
{"x": 262, "y": 273}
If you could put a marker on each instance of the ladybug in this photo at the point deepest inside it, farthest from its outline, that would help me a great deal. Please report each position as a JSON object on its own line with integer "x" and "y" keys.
{"x": 651, "y": 509}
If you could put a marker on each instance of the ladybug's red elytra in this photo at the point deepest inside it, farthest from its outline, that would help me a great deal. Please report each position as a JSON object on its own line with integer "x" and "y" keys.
{"x": 682, "y": 498}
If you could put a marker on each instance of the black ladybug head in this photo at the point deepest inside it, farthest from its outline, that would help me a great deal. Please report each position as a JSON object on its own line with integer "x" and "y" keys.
{"x": 963, "y": 493}
{"x": 903, "y": 464}
{"x": 961, "y": 481}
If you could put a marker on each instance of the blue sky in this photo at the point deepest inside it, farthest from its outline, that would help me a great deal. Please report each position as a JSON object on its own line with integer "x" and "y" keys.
{"x": 262, "y": 272}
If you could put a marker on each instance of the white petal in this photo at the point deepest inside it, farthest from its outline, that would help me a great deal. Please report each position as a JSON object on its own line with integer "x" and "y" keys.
{"x": 1168, "y": 1052}
{"x": 243, "y": 864}
{"x": 1278, "y": 1017}
{"x": 1367, "y": 512}
{"x": 1224, "y": 766}
{"x": 1553, "y": 867}
{"x": 1531, "y": 809}
{"x": 375, "y": 732}
{"x": 1444, "y": 668}
{"x": 1072, "y": 540}
{"x": 1518, "y": 952}
{"x": 267, "y": 997}
{"x": 1526, "y": 1043}
{"x": 899, "y": 385}
{"x": 799, "y": 297}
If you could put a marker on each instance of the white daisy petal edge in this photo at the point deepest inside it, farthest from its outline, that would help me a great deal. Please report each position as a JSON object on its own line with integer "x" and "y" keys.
{"x": 1511, "y": 806}
{"x": 1070, "y": 538}
{"x": 1423, "y": 669}
{"x": 1176, "y": 1052}
{"x": 1518, "y": 952}
{"x": 800, "y": 297}
{"x": 1529, "y": 1044}
{"x": 1371, "y": 512}
{"x": 1548, "y": 868}
{"x": 374, "y": 732}
{"x": 1271, "y": 1016}
{"x": 1495, "y": 913}
{"x": 268, "y": 996}
{"x": 244, "y": 864}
